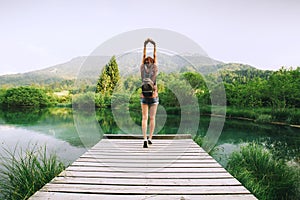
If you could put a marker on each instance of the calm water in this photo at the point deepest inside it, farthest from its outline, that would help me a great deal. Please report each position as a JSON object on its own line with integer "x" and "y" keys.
{"x": 69, "y": 138}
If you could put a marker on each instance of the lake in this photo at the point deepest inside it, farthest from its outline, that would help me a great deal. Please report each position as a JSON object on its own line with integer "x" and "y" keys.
{"x": 69, "y": 135}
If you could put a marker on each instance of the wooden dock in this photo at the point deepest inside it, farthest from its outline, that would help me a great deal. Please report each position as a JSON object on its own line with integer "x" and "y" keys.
{"x": 173, "y": 167}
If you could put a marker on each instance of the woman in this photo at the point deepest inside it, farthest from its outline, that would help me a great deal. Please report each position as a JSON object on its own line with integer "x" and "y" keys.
{"x": 149, "y": 96}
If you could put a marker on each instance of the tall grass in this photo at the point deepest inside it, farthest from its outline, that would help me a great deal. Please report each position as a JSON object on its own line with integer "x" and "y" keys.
{"x": 24, "y": 172}
{"x": 266, "y": 177}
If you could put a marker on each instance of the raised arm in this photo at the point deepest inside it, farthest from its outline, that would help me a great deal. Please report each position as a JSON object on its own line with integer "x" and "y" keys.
{"x": 154, "y": 53}
{"x": 144, "y": 54}
{"x": 145, "y": 46}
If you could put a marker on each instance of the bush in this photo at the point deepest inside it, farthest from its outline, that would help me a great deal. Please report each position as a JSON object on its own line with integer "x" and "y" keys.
{"x": 84, "y": 101}
{"x": 199, "y": 140}
{"x": 120, "y": 99}
{"x": 264, "y": 118}
{"x": 24, "y": 173}
{"x": 26, "y": 97}
{"x": 266, "y": 177}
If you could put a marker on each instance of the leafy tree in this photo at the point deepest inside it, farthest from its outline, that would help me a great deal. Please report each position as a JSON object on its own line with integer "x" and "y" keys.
{"x": 198, "y": 85}
{"x": 132, "y": 83}
{"x": 109, "y": 77}
{"x": 195, "y": 79}
{"x": 284, "y": 89}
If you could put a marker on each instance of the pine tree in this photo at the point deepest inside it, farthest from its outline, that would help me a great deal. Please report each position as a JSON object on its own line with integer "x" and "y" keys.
{"x": 109, "y": 77}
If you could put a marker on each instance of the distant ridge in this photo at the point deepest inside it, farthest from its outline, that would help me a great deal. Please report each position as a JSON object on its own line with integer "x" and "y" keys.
{"x": 128, "y": 64}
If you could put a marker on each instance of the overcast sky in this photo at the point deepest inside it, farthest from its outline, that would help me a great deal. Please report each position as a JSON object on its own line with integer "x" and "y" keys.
{"x": 38, "y": 34}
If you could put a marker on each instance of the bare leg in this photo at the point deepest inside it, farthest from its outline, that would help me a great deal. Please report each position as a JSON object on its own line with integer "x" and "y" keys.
{"x": 153, "y": 109}
{"x": 144, "y": 120}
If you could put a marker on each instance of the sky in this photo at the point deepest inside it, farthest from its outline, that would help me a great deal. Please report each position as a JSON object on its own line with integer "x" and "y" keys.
{"x": 38, "y": 34}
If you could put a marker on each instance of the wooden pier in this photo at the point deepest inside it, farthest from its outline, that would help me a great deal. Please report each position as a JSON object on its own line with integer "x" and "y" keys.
{"x": 173, "y": 167}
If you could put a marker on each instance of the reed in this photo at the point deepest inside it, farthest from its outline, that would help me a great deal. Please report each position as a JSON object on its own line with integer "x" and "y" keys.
{"x": 265, "y": 176}
{"x": 24, "y": 172}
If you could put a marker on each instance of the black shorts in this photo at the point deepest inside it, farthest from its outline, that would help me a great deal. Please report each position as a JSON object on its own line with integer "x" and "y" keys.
{"x": 149, "y": 101}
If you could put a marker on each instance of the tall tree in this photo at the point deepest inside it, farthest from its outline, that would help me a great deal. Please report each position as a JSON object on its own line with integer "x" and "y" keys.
{"x": 109, "y": 77}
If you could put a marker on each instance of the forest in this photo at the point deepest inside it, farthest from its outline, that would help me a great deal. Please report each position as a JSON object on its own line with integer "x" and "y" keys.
{"x": 263, "y": 96}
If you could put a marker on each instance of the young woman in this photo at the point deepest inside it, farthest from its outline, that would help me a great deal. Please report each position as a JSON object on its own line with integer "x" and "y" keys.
{"x": 149, "y": 96}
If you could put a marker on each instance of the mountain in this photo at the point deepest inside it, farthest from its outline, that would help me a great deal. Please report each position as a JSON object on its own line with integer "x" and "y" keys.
{"x": 90, "y": 68}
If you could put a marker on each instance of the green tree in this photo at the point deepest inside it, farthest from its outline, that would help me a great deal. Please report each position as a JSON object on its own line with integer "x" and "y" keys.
{"x": 109, "y": 78}
{"x": 195, "y": 80}
{"x": 283, "y": 89}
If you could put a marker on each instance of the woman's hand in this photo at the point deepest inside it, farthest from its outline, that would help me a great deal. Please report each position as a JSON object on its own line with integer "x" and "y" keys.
{"x": 152, "y": 42}
{"x": 149, "y": 40}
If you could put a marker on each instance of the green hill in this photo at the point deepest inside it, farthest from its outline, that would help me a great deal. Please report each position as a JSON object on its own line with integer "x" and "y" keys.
{"x": 90, "y": 68}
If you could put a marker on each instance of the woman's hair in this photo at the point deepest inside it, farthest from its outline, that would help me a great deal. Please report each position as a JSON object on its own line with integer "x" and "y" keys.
{"x": 148, "y": 60}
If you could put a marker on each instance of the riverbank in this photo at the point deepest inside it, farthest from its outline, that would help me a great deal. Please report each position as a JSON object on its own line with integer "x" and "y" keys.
{"x": 288, "y": 117}
{"x": 253, "y": 120}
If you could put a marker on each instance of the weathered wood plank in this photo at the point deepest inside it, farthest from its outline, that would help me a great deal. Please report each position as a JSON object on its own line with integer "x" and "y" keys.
{"x": 138, "y": 153}
{"x": 136, "y": 150}
{"x": 139, "y": 147}
{"x": 133, "y": 181}
{"x": 81, "y": 196}
{"x": 205, "y": 163}
{"x": 125, "y": 189}
{"x": 136, "y": 136}
{"x": 93, "y": 159}
{"x": 156, "y": 175}
{"x": 145, "y": 158}
{"x": 108, "y": 168}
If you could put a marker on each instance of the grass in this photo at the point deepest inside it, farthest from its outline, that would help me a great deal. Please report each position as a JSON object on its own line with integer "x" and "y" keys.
{"x": 22, "y": 173}
{"x": 266, "y": 177}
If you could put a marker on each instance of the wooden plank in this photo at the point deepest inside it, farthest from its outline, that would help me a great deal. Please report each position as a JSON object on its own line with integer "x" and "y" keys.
{"x": 146, "y": 156}
{"x": 133, "y": 181}
{"x": 154, "y": 142}
{"x": 93, "y": 159}
{"x": 150, "y": 149}
{"x": 145, "y": 164}
{"x": 174, "y": 151}
{"x": 141, "y": 155}
{"x": 138, "y": 142}
{"x": 153, "y": 147}
{"x": 112, "y": 153}
{"x": 138, "y": 136}
{"x": 166, "y": 143}
{"x": 155, "y": 190}
{"x": 156, "y": 175}
{"x": 205, "y": 169}
{"x": 85, "y": 196}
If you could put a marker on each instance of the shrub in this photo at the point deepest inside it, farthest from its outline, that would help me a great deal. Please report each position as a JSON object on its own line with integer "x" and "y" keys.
{"x": 26, "y": 97}
{"x": 264, "y": 118}
{"x": 84, "y": 101}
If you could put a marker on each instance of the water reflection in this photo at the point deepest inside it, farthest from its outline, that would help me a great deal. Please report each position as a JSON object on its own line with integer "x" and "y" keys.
{"x": 26, "y": 115}
{"x": 56, "y": 127}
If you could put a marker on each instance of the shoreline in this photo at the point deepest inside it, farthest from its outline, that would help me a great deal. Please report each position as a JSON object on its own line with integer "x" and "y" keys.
{"x": 253, "y": 120}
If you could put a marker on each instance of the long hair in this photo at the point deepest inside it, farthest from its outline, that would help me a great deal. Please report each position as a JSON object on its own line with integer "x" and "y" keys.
{"x": 148, "y": 60}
